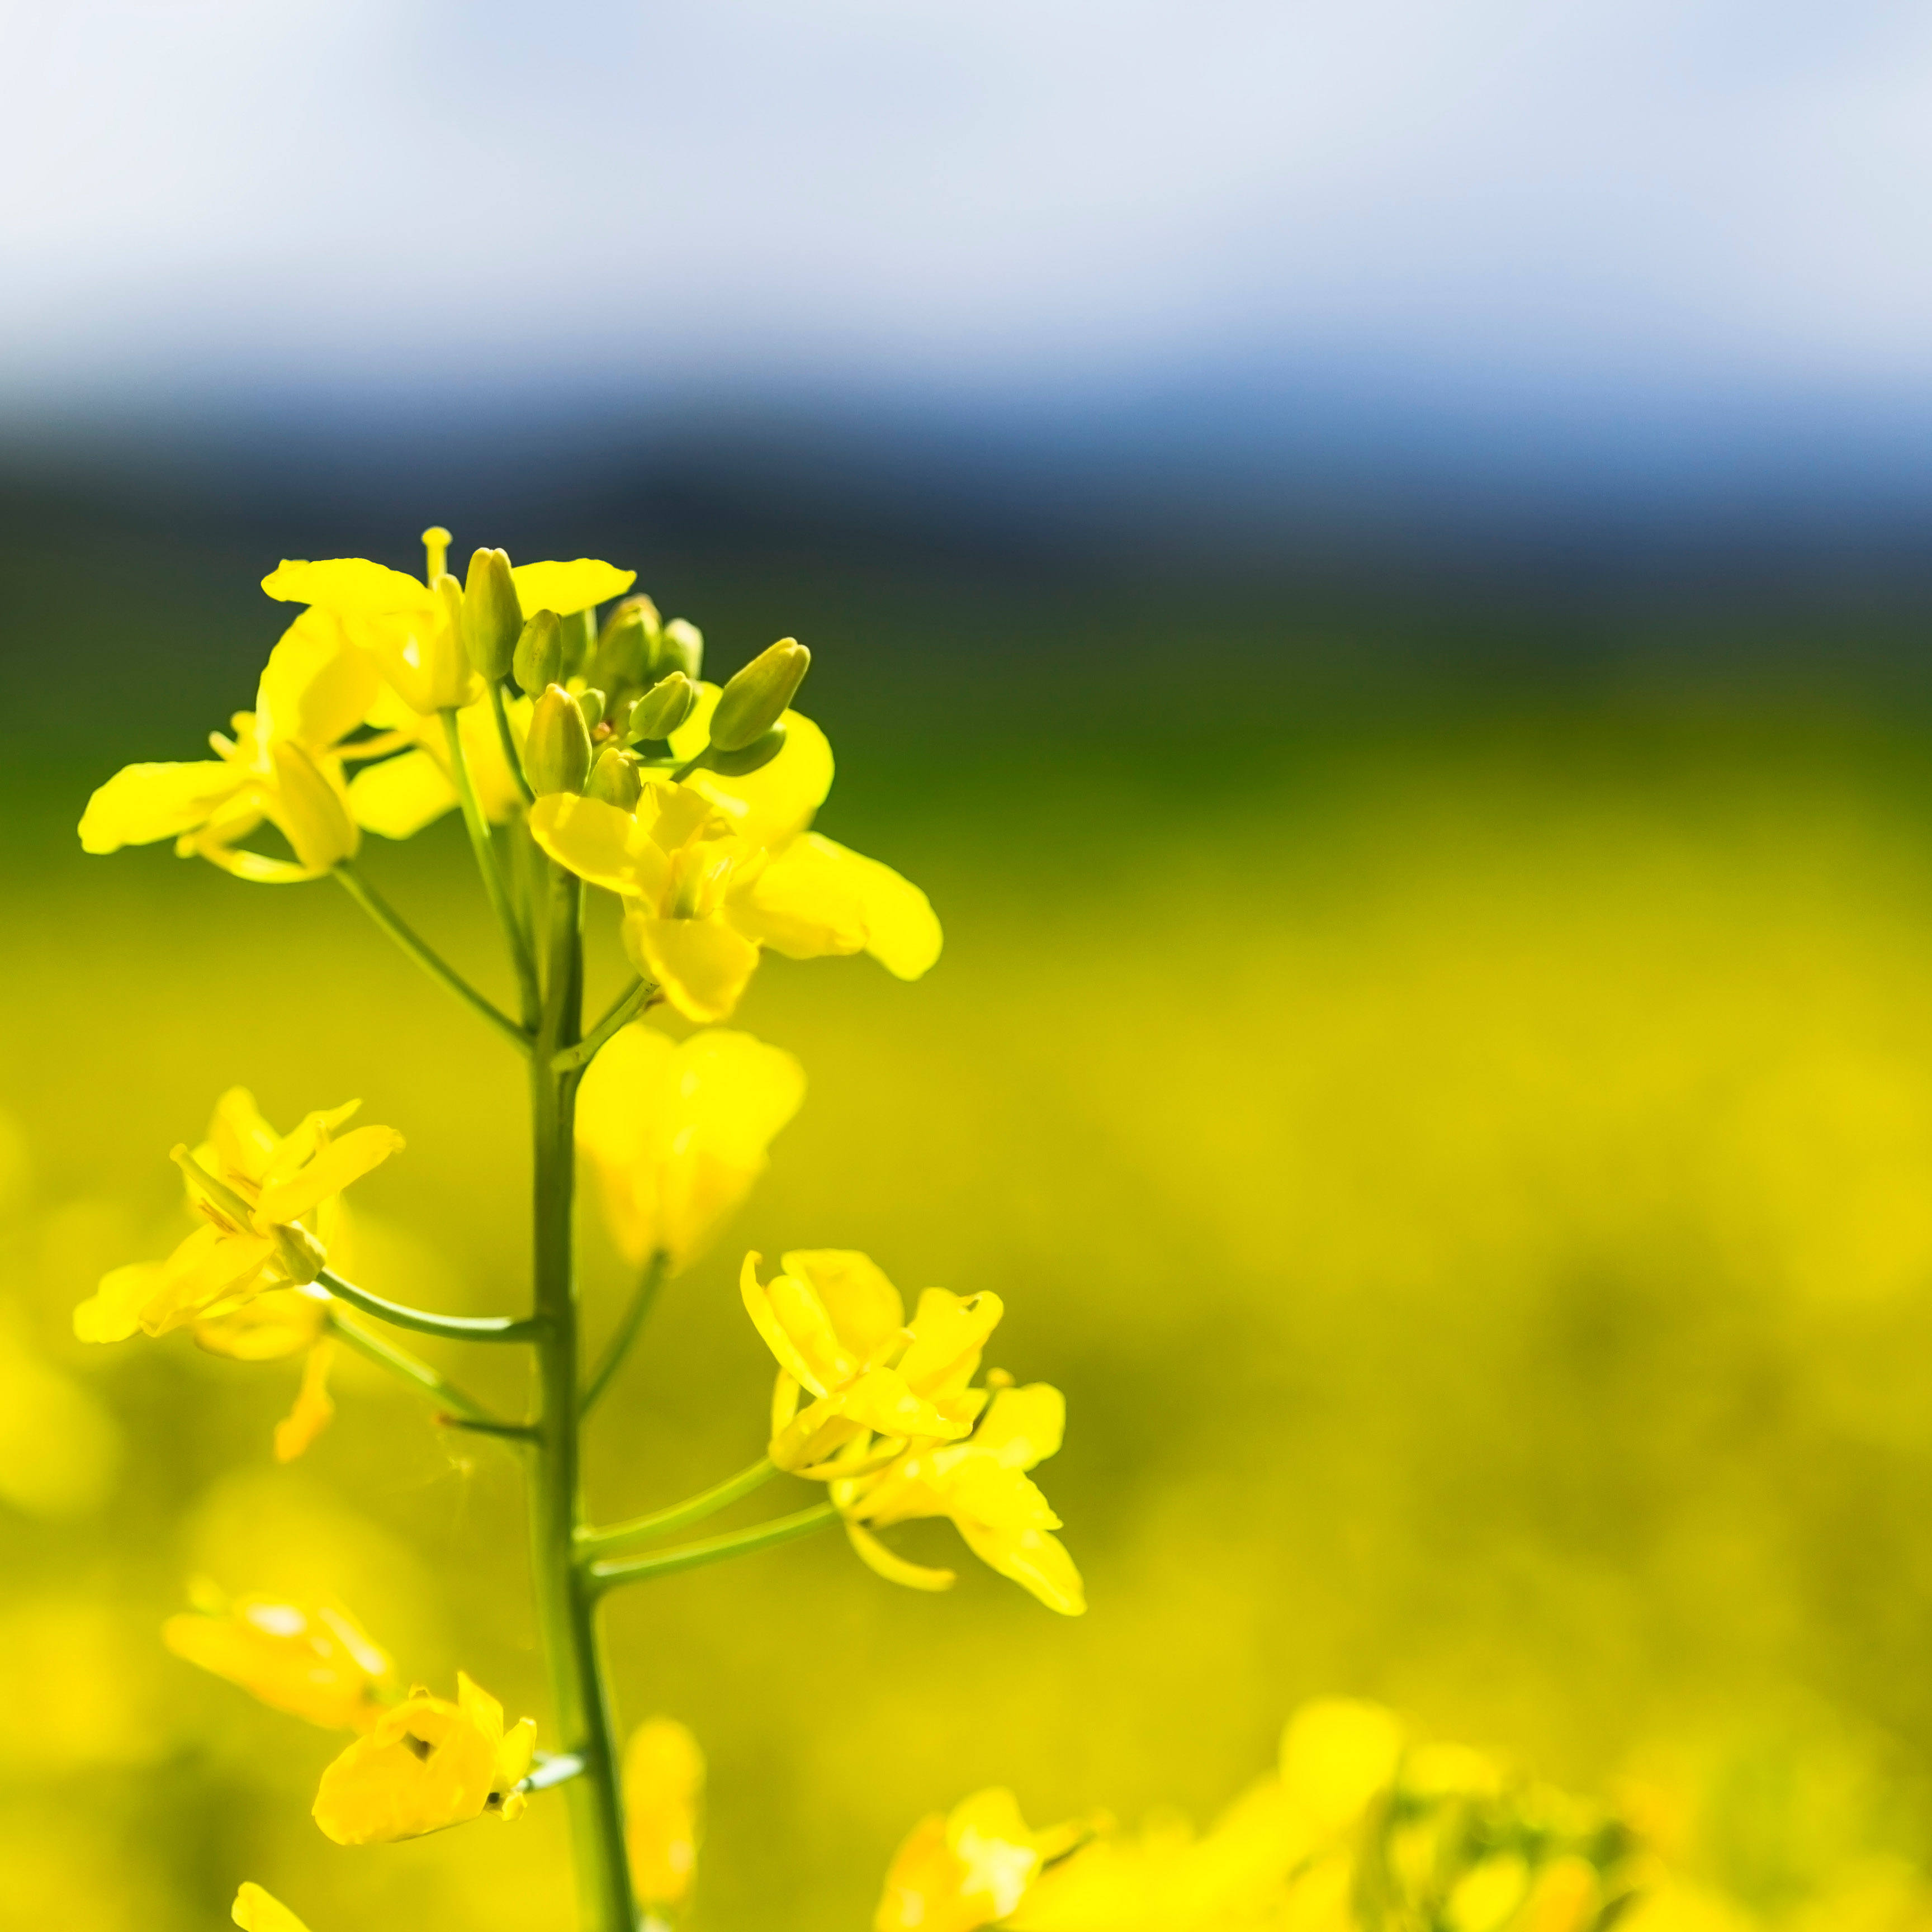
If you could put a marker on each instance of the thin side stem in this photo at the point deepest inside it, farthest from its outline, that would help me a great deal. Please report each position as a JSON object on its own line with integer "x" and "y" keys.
{"x": 712, "y": 1548}
{"x": 600, "y": 1542}
{"x": 623, "y": 1011}
{"x": 511, "y": 756}
{"x": 425, "y": 955}
{"x": 566, "y": 1602}
{"x": 412, "y": 1368}
{"x": 642, "y": 1302}
{"x": 450, "y": 1327}
{"x": 494, "y": 890}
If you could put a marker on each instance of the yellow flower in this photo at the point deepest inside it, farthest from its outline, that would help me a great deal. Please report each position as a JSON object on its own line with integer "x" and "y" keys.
{"x": 664, "y": 1792}
{"x": 256, "y": 1192}
{"x": 256, "y": 1911}
{"x": 713, "y": 869}
{"x": 970, "y": 1868}
{"x": 312, "y": 1661}
{"x": 283, "y": 1322}
{"x": 413, "y": 627}
{"x": 892, "y": 1428}
{"x": 425, "y": 1765}
{"x": 284, "y": 765}
{"x": 676, "y": 1134}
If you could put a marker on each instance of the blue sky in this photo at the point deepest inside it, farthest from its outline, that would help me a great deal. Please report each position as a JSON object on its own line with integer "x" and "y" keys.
{"x": 963, "y": 198}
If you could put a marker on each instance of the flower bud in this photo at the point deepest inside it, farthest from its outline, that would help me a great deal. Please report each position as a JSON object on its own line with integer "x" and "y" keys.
{"x": 538, "y": 661}
{"x": 492, "y": 617}
{"x": 614, "y": 779}
{"x": 579, "y": 641}
{"x": 662, "y": 709}
{"x": 590, "y": 702}
{"x": 747, "y": 758}
{"x": 442, "y": 662}
{"x": 755, "y": 700}
{"x": 556, "y": 753}
{"x": 625, "y": 644}
{"x": 680, "y": 647}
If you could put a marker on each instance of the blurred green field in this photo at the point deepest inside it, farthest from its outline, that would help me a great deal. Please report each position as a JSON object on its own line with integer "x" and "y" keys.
{"x": 1470, "y": 1177}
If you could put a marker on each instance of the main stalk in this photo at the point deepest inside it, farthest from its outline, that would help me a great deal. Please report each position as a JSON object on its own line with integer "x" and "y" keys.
{"x": 566, "y": 1602}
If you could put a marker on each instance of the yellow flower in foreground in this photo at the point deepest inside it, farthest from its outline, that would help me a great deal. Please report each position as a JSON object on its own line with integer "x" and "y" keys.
{"x": 664, "y": 1792}
{"x": 713, "y": 869}
{"x": 283, "y": 766}
{"x": 969, "y": 1868}
{"x": 256, "y": 1911}
{"x": 412, "y": 627}
{"x": 676, "y": 1133}
{"x": 426, "y": 1764}
{"x": 262, "y": 1197}
{"x": 892, "y": 1430}
{"x": 312, "y": 1660}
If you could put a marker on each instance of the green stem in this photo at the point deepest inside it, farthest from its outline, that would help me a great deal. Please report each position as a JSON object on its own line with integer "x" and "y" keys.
{"x": 566, "y": 1600}
{"x": 642, "y": 1302}
{"x": 432, "y": 962}
{"x": 412, "y": 1368}
{"x": 712, "y": 1548}
{"x": 511, "y": 756}
{"x": 598, "y": 1543}
{"x": 622, "y": 1012}
{"x": 450, "y": 1327}
{"x": 494, "y": 887}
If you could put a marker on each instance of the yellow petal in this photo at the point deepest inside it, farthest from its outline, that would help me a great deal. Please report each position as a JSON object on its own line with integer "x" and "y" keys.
{"x": 702, "y": 965}
{"x": 332, "y": 1170}
{"x": 319, "y": 683}
{"x": 591, "y": 838}
{"x": 113, "y": 1312}
{"x": 351, "y": 586}
{"x": 141, "y": 803}
{"x": 664, "y": 1788}
{"x": 426, "y": 1764}
{"x": 1036, "y": 1560}
{"x": 240, "y": 1140}
{"x": 817, "y": 897}
{"x": 397, "y": 797}
{"x": 948, "y": 1332}
{"x": 876, "y": 1556}
{"x": 314, "y": 1408}
{"x": 882, "y": 1400}
{"x": 273, "y": 1326}
{"x": 779, "y": 1330}
{"x": 773, "y": 804}
{"x": 566, "y": 588}
{"x": 312, "y": 809}
{"x": 865, "y": 1308}
{"x": 312, "y": 1663}
{"x": 256, "y": 1911}
{"x": 1023, "y": 1426}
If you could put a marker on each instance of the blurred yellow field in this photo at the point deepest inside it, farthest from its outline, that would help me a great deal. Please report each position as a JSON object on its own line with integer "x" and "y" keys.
{"x": 1473, "y": 1199}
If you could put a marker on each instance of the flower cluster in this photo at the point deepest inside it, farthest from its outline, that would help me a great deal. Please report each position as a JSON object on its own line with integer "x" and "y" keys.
{"x": 1362, "y": 1827}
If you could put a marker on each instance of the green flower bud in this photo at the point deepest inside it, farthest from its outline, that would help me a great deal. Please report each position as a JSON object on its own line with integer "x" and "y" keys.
{"x": 579, "y": 641}
{"x": 755, "y": 700}
{"x": 625, "y": 644}
{"x": 538, "y": 661}
{"x": 662, "y": 709}
{"x": 747, "y": 758}
{"x": 614, "y": 779}
{"x": 493, "y": 620}
{"x": 556, "y": 753}
{"x": 680, "y": 647}
{"x": 590, "y": 702}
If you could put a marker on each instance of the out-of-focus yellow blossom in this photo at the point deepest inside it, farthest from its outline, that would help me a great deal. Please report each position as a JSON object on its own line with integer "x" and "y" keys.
{"x": 970, "y": 1868}
{"x": 676, "y": 1133}
{"x": 314, "y": 1407}
{"x": 311, "y": 1659}
{"x": 664, "y": 1795}
{"x": 713, "y": 869}
{"x": 256, "y": 1910}
{"x": 283, "y": 766}
{"x": 257, "y": 1193}
{"x": 425, "y": 1765}
{"x": 412, "y": 627}
{"x": 58, "y": 1448}
{"x": 892, "y": 1427}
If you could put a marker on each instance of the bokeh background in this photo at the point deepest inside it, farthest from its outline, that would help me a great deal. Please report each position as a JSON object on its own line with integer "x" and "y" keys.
{"x": 1372, "y": 560}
